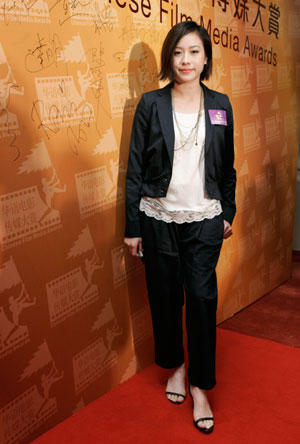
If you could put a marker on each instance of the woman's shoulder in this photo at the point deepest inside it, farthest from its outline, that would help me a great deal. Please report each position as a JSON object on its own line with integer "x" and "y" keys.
{"x": 217, "y": 95}
{"x": 217, "y": 100}
{"x": 150, "y": 96}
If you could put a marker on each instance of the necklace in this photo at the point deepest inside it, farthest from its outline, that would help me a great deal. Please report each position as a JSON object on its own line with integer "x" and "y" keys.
{"x": 193, "y": 135}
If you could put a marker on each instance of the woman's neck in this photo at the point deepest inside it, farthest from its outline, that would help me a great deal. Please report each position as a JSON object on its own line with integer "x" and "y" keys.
{"x": 187, "y": 97}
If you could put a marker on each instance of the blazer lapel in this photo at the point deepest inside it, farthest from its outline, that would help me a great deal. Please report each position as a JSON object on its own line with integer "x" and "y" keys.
{"x": 164, "y": 109}
{"x": 209, "y": 103}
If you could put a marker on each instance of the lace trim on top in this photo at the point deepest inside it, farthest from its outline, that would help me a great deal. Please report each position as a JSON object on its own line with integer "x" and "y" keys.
{"x": 152, "y": 208}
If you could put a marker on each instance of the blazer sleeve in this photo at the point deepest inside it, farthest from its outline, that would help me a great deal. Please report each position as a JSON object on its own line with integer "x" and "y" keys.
{"x": 135, "y": 169}
{"x": 228, "y": 182}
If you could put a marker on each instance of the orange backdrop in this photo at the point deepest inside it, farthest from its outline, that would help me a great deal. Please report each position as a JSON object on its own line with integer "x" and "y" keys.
{"x": 74, "y": 319}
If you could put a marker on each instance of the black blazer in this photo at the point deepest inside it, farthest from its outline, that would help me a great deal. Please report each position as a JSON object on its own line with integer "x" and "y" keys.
{"x": 151, "y": 154}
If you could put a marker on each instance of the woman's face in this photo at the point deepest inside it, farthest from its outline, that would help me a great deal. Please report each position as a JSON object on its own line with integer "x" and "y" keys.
{"x": 189, "y": 58}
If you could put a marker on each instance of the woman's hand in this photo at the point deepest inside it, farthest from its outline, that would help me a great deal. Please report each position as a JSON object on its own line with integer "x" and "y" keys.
{"x": 134, "y": 244}
{"x": 227, "y": 230}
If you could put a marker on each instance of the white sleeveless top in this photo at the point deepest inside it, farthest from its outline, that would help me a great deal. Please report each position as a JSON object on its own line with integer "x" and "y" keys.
{"x": 186, "y": 199}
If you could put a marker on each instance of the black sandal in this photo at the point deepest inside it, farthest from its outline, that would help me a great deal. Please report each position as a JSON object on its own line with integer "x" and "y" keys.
{"x": 176, "y": 394}
{"x": 206, "y": 418}
{"x": 204, "y": 429}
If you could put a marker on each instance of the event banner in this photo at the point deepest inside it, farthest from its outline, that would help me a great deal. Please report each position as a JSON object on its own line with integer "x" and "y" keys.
{"x": 74, "y": 315}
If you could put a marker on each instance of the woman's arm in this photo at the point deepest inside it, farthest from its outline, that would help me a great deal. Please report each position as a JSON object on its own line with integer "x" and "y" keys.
{"x": 135, "y": 170}
{"x": 228, "y": 182}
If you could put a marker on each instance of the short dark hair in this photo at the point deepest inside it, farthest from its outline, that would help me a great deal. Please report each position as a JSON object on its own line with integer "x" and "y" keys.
{"x": 174, "y": 35}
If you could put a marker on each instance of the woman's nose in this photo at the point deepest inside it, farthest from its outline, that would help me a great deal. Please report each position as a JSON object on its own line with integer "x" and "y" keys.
{"x": 185, "y": 57}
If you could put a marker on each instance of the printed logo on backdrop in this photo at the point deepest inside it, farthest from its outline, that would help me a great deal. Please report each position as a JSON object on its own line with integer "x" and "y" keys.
{"x": 80, "y": 405}
{"x": 98, "y": 188}
{"x": 224, "y": 266}
{"x": 60, "y": 104}
{"x": 251, "y": 130}
{"x": 281, "y": 174}
{"x": 25, "y": 413}
{"x": 107, "y": 318}
{"x": 263, "y": 186}
{"x": 272, "y": 123}
{"x": 28, "y": 213}
{"x": 230, "y": 305}
{"x": 284, "y": 71}
{"x": 89, "y": 66}
{"x": 62, "y": 99}
{"x": 226, "y": 22}
{"x": 120, "y": 86}
{"x": 98, "y": 14}
{"x": 219, "y": 71}
{"x": 132, "y": 369}
{"x": 290, "y": 118}
{"x": 27, "y": 11}
{"x": 146, "y": 23}
{"x": 107, "y": 324}
{"x": 268, "y": 229}
{"x": 91, "y": 363}
{"x": 256, "y": 284}
{"x": 247, "y": 246}
{"x": 14, "y": 300}
{"x": 141, "y": 326}
{"x": 287, "y": 212}
{"x": 92, "y": 13}
{"x": 290, "y": 123}
{"x": 238, "y": 288}
{"x": 75, "y": 290}
{"x": 277, "y": 265}
{"x": 139, "y": 54}
{"x": 124, "y": 265}
{"x": 240, "y": 80}
{"x": 242, "y": 188}
{"x": 263, "y": 78}
{"x": 9, "y": 126}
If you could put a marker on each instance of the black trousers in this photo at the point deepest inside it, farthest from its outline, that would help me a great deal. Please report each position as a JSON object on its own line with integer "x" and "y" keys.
{"x": 182, "y": 257}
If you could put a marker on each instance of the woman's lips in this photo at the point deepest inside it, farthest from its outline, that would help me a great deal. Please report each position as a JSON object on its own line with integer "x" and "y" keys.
{"x": 185, "y": 70}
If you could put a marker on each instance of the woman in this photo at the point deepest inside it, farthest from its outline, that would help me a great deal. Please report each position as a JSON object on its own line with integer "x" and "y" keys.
{"x": 180, "y": 206}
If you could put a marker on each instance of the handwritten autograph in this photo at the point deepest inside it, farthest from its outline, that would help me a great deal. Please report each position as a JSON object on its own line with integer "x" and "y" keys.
{"x": 13, "y": 7}
{"x": 131, "y": 31}
{"x": 44, "y": 53}
{"x": 54, "y": 119}
{"x": 6, "y": 86}
{"x": 104, "y": 19}
{"x": 70, "y": 7}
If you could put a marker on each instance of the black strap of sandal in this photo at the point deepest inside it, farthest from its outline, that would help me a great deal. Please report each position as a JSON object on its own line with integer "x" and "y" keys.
{"x": 208, "y": 418}
{"x": 176, "y": 394}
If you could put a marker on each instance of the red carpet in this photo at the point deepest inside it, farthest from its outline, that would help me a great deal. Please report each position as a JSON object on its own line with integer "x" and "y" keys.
{"x": 256, "y": 401}
{"x": 276, "y": 316}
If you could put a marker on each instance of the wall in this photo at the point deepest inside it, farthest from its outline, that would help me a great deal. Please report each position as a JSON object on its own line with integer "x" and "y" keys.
{"x": 74, "y": 319}
{"x": 296, "y": 237}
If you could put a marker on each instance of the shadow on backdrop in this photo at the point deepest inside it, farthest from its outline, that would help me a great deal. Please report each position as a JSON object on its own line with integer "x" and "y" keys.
{"x": 142, "y": 77}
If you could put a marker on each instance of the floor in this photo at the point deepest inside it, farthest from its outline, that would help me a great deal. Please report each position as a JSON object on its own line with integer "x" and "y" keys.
{"x": 276, "y": 316}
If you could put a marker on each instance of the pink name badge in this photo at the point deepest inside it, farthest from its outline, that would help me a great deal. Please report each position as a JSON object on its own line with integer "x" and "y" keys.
{"x": 217, "y": 116}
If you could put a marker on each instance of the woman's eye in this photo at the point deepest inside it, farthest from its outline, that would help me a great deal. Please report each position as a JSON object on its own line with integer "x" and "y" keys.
{"x": 177, "y": 52}
{"x": 195, "y": 51}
